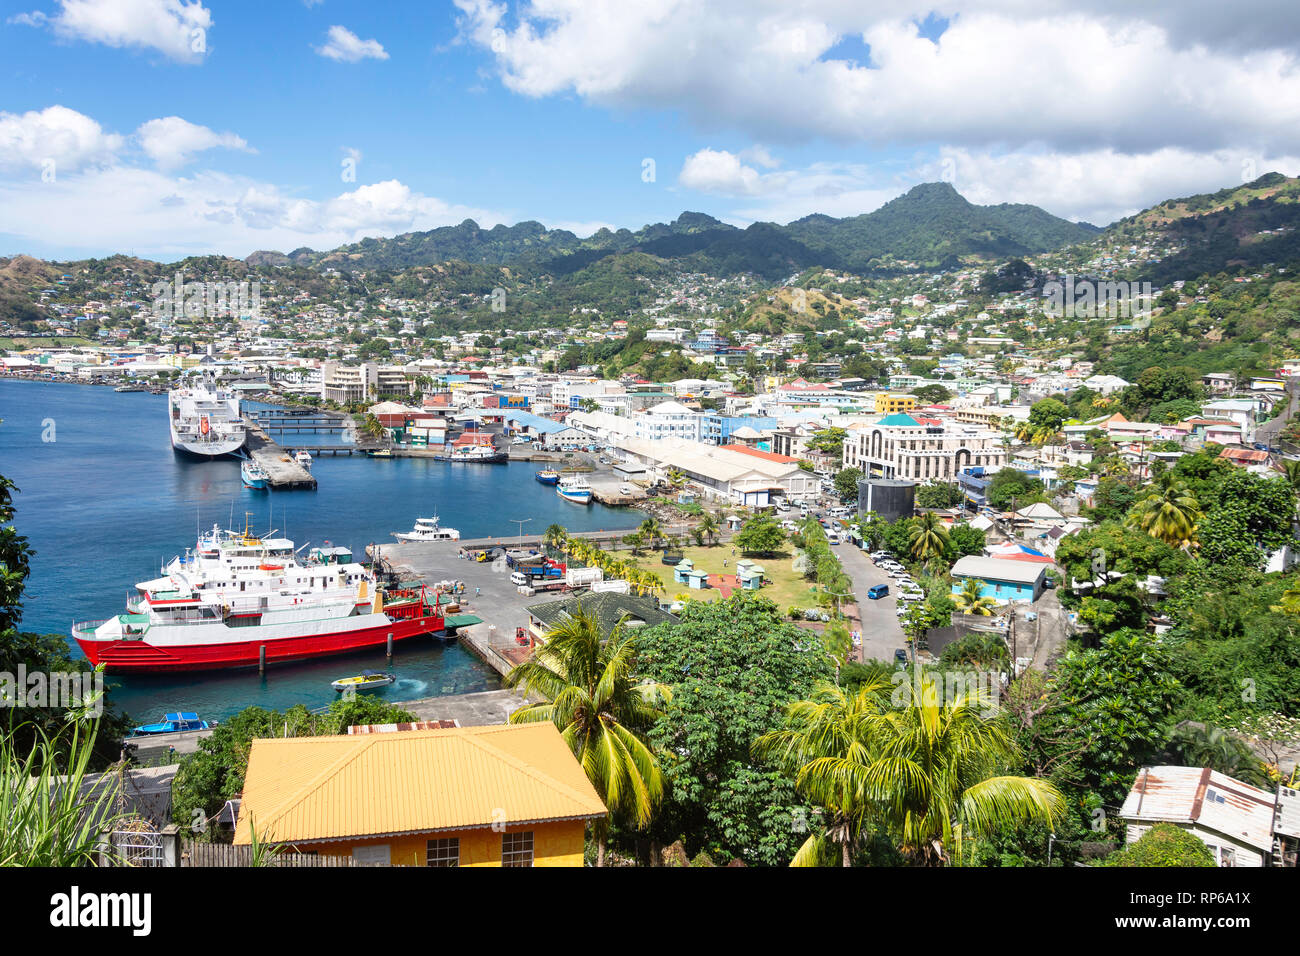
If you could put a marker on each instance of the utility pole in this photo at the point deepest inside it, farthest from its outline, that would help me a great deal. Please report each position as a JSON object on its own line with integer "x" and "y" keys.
{"x": 521, "y": 522}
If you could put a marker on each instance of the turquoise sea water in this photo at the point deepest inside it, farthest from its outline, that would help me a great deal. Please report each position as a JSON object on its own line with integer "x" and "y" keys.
{"x": 107, "y": 501}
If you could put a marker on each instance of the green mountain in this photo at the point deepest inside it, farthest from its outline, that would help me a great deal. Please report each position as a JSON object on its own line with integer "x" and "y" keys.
{"x": 930, "y": 226}
{"x": 1245, "y": 227}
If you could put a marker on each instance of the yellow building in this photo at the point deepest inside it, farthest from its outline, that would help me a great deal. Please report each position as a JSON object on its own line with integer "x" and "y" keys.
{"x": 889, "y": 403}
{"x": 510, "y": 795}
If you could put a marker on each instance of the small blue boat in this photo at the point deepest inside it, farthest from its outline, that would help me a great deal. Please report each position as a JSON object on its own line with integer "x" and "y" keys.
{"x": 548, "y": 477}
{"x": 171, "y": 723}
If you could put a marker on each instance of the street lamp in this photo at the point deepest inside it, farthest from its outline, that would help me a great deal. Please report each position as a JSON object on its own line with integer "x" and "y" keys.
{"x": 521, "y": 522}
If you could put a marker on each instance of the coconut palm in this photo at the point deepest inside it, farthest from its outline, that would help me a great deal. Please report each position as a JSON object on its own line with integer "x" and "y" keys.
{"x": 651, "y": 530}
{"x": 928, "y": 538}
{"x": 585, "y": 682}
{"x": 929, "y": 773}
{"x": 826, "y": 746}
{"x": 971, "y": 599}
{"x": 1169, "y": 512}
{"x": 555, "y": 537}
{"x": 709, "y": 527}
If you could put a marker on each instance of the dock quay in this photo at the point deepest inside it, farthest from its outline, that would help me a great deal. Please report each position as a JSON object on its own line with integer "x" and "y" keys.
{"x": 480, "y": 709}
{"x": 284, "y": 472}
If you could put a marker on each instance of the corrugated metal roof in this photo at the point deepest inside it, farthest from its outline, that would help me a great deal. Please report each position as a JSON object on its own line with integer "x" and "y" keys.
{"x": 1205, "y": 797}
{"x": 300, "y": 789}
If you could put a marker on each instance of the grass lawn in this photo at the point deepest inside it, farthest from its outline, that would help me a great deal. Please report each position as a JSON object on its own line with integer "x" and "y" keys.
{"x": 787, "y": 587}
{"x": 63, "y": 341}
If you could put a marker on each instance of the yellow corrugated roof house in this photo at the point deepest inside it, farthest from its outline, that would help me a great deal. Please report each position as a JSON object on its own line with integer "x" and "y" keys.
{"x": 361, "y": 788}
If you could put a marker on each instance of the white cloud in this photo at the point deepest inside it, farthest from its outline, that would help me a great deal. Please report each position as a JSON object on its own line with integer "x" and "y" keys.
{"x": 1103, "y": 185}
{"x": 1098, "y": 186}
{"x": 723, "y": 174}
{"x": 33, "y": 19}
{"x": 171, "y": 142}
{"x": 176, "y": 28}
{"x": 345, "y": 46}
{"x": 152, "y": 213}
{"x": 68, "y": 139}
{"x": 1073, "y": 74}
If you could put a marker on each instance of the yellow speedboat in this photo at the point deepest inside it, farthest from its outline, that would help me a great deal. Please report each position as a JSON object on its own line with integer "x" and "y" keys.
{"x": 370, "y": 680}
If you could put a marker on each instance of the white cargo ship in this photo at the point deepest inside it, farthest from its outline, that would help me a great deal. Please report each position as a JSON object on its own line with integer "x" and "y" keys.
{"x": 205, "y": 420}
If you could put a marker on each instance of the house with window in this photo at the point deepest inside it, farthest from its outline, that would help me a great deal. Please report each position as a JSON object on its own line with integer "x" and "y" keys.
{"x": 1001, "y": 580}
{"x": 504, "y": 795}
{"x": 1242, "y": 825}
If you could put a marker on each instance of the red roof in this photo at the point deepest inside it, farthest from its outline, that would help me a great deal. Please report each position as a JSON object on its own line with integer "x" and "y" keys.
{"x": 759, "y": 453}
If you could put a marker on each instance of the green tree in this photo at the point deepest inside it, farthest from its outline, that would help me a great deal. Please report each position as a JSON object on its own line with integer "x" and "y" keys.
{"x": 587, "y": 690}
{"x": 928, "y": 537}
{"x": 1169, "y": 512}
{"x": 1110, "y": 710}
{"x": 733, "y": 666}
{"x": 825, "y": 746}
{"x": 760, "y": 536}
{"x": 972, "y": 600}
{"x": 846, "y": 483}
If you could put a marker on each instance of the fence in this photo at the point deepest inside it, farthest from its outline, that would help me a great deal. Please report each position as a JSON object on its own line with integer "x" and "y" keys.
{"x": 224, "y": 855}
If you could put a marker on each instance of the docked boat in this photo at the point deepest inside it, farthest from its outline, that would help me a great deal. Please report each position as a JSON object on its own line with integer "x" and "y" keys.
{"x": 428, "y": 529}
{"x": 238, "y": 600}
{"x": 548, "y": 476}
{"x": 380, "y": 453}
{"x": 174, "y": 723}
{"x": 205, "y": 420}
{"x": 254, "y": 475}
{"x": 303, "y": 458}
{"x": 477, "y": 447}
{"x": 131, "y": 388}
{"x": 574, "y": 488}
{"x": 370, "y": 680}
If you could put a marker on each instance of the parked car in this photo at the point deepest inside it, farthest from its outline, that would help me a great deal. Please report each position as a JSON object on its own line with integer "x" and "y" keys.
{"x": 900, "y": 655}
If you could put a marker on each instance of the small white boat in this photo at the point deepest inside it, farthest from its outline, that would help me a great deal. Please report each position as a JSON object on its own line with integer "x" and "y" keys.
{"x": 254, "y": 475}
{"x": 370, "y": 680}
{"x": 304, "y": 459}
{"x": 574, "y": 488}
{"x": 428, "y": 529}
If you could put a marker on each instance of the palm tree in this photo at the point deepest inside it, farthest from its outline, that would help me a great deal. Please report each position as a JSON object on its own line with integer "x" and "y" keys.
{"x": 709, "y": 526}
{"x": 928, "y": 538}
{"x": 938, "y": 777}
{"x": 826, "y": 746}
{"x": 930, "y": 772}
{"x": 972, "y": 600}
{"x": 651, "y": 530}
{"x": 556, "y": 536}
{"x": 373, "y": 427}
{"x": 1169, "y": 512}
{"x": 588, "y": 692}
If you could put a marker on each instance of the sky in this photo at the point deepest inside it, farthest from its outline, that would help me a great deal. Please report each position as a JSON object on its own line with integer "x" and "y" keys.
{"x": 165, "y": 128}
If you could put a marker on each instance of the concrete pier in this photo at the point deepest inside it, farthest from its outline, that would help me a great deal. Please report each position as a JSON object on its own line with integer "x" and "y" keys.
{"x": 284, "y": 472}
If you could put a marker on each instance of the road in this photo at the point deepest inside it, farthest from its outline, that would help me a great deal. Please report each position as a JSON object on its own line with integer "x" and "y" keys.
{"x": 881, "y": 632}
{"x": 1267, "y": 433}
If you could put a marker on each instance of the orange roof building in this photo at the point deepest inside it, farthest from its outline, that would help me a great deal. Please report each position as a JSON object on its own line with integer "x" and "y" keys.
{"x": 511, "y": 795}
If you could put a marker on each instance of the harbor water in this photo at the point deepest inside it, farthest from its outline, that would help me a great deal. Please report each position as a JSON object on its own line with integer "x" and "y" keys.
{"x": 103, "y": 500}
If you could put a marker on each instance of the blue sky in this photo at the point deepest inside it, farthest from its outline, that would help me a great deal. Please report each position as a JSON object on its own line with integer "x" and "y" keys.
{"x": 118, "y": 132}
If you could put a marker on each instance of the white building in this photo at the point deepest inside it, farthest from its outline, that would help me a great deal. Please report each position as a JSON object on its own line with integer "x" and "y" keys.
{"x": 668, "y": 420}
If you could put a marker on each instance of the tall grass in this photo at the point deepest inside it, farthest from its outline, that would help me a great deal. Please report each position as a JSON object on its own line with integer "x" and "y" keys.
{"x": 45, "y": 819}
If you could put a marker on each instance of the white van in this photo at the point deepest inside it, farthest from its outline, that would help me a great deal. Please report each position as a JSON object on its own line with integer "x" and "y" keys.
{"x": 520, "y": 579}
